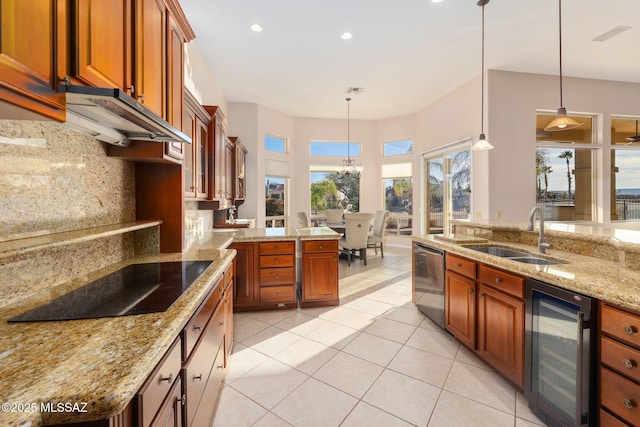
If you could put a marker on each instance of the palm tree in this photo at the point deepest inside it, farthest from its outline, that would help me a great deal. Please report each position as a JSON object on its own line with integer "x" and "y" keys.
{"x": 567, "y": 155}
{"x": 542, "y": 173}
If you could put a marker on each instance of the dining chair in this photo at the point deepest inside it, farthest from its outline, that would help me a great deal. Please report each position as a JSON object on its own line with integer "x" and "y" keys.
{"x": 379, "y": 224}
{"x": 355, "y": 235}
{"x": 334, "y": 216}
{"x": 304, "y": 219}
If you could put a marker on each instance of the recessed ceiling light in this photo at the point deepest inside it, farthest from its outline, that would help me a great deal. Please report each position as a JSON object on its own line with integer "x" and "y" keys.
{"x": 256, "y": 27}
{"x": 436, "y": 1}
{"x": 346, "y": 35}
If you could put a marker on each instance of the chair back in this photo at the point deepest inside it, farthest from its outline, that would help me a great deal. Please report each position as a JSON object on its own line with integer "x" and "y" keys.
{"x": 304, "y": 219}
{"x": 380, "y": 222}
{"x": 357, "y": 229}
{"x": 334, "y": 216}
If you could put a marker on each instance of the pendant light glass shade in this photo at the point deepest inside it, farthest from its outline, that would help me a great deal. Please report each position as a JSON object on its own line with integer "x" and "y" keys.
{"x": 562, "y": 121}
{"x": 482, "y": 143}
{"x": 349, "y": 167}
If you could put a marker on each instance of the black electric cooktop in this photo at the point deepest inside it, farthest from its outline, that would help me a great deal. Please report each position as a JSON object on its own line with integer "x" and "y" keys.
{"x": 135, "y": 289}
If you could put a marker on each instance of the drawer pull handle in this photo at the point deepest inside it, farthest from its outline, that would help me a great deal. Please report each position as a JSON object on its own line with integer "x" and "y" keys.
{"x": 629, "y": 330}
{"x": 628, "y": 363}
{"x": 321, "y": 246}
{"x": 458, "y": 265}
{"x": 470, "y": 291}
{"x": 277, "y": 261}
{"x": 197, "y": 377}
{"x": 197, "y": 328}
{"x": 168, "y": 379}
{"x": 182, "y": 399}
{"x": 276, "y": 249}
{"x": 628, "y": 404}
{"x": 222, "y": 323}
{"x": 498, "y": 280}
{"x": 481, "y": 294}
{"x": 220, "y": 366}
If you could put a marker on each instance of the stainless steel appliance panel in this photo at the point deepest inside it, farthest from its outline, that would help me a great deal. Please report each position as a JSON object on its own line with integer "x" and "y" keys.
{"x": 428, "y": 282}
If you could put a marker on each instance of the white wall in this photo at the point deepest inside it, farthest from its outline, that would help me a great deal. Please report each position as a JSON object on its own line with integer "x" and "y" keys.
{"x": 199, "y": 79}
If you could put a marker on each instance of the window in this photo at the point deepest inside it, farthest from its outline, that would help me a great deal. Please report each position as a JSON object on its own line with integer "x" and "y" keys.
{"x": 625, "y": 166}
{"x": 275, "y": 144}
{"x": 330, "y": 192}
{"x": 397, "y": 188}
{"x": 340, "y": 149}
{"x": 448, "y": 184}
{"x": 565, "y": 170}
{"x": 275, "y": 201}
{"x": 397, "y": 148}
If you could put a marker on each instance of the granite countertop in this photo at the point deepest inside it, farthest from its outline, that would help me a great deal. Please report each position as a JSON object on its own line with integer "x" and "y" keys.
{"x": 102, "y": 362}
{"x": 279, "y": 233}
{"x": 603, "y": 279}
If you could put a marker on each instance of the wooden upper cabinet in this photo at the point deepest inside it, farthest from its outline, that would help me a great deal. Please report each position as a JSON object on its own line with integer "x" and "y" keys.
{"x": 103, "y": 38}
{"x": 28, "y": 62}
{"x": 175, "y": 87}
{"x": 238, "y": 163}
{"x": 150, "y": 55}
{"x": 219, "y": 190}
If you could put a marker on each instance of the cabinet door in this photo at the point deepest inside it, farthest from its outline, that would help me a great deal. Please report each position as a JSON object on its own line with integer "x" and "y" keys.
{"x": 220, "y": 138}
{"x": 103, "y": 43}
{"x": 229, "y": 181}
{"x": 150, "y": 55}
{"x": 27, "y": 58}
{"x": 170, "y": 413}
{"x": 500, "y": 320}
{"x": 460, "y": 308}
{"x": 241, "y": 161}
{"x": 244, "y": 281}
{"x": 320, "y": 277}
{"x": 175, "y": 85}
{"x": 201, "y": 149}
{"x": 189, "y": 165}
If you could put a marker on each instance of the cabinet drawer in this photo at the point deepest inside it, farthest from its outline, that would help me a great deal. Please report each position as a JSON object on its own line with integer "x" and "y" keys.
{"x": 506, "y": 282}
{"x": 196, "y": 325}
{"x": 197, "y": 371}
{"x": 155, "y": 389}
{"x": 608, "y": 420}
{"x": 277, "y": 294}
{"x": 620, "y": 395}
{"x": 276, "y": 261}
{"x": 274, "y": 248}
{"x": 461, "y": 266}
{"x": 320, "y": 246}
{"x": 620, "y": 324}
{"x": 277, "y": 276}
{"x": 620, "y": 358}
{"x": 204, "y": 411}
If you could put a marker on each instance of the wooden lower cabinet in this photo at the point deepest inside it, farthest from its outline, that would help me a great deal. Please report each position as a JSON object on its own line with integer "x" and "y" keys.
{"x": 319, "y": 273}
{"x": 170, "y": 413}
{"x": 500, "y": 320}
{"x": 485, "y": 311}
{"x": 619, "y": 366}
{"x": 265, "y": 275}
{"x": 460, "y": 318}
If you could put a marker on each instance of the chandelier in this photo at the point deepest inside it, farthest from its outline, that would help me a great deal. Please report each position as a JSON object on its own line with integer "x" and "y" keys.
{"x": 349, "y": 167}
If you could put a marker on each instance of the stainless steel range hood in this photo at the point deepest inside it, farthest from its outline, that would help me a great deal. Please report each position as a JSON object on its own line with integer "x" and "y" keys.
{"x": 112, "y": 116}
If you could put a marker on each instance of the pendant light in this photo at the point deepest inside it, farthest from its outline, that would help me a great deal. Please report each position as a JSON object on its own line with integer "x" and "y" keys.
{"x": 482, "y": 143}
{"x": 562, "y": 121}
{"x": 349, "y": 168}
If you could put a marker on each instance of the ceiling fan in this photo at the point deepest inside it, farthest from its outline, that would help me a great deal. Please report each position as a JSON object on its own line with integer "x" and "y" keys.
{"x": 636, "y": 137}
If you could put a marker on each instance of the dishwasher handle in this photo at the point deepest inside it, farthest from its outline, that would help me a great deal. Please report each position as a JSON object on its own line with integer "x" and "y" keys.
{"x": 431, "y": 250}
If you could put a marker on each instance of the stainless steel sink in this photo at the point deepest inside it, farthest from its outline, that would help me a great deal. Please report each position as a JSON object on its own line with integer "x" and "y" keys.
{"x": 514, "y": 255}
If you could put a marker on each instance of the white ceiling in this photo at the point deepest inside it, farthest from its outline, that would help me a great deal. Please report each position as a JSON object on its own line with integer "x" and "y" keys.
{"x": 404, "y": 53}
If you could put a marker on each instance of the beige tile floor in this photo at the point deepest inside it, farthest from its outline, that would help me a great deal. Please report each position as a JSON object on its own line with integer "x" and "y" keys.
{"x": 374, "y": 360}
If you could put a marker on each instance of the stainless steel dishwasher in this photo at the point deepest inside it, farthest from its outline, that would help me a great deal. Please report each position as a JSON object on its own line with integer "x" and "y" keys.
{"x": 428, "y": 282}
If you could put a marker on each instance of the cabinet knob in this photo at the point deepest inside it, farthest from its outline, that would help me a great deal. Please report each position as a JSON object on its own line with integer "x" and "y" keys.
{"x": 132, "y": 88}
{"x": 168, "y": 379}
{"x": 182, "y": 399}
{"x": 277, "y": 261}
{"x": 470, "y": 291}
{"x": 141, "y": 97}
{"x": 629, "y": 404}
{"x": 481, "y": 294}
{"x": 458, "y": 265}
{"x": 321, "y": 246}
{"x": 197, "y": 377}
{"x": 498, "y": 280}
{"x": 222, "y": 323}
{"x": 628, "y": 363}
{"x": 276, "y": 249}
{"x": 630, "y": 330}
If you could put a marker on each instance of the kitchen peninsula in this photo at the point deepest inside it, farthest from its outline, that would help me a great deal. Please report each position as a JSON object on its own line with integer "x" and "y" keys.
{"x": 105, "y": 362}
